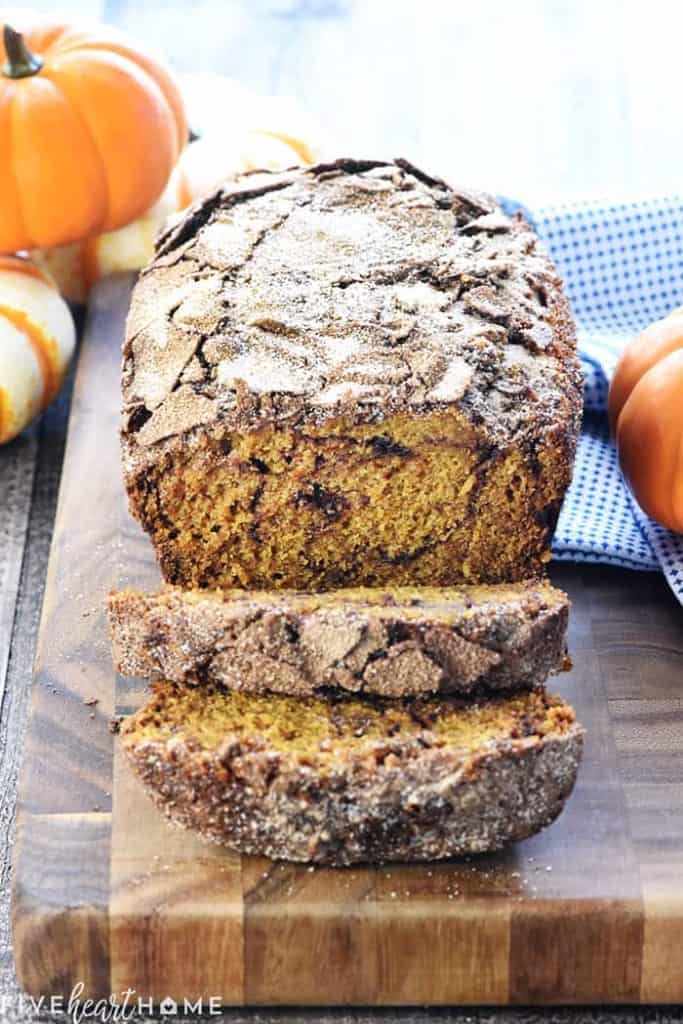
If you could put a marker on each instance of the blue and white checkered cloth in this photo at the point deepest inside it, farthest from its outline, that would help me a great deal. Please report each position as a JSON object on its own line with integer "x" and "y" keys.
{"x": 622, "y": 265}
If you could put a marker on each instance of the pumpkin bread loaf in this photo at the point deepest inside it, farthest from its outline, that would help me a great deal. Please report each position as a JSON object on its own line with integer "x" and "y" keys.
{"x": 349, "y": 375}
{"x": 340, "y": 781}
{"x": 395, "y": 643}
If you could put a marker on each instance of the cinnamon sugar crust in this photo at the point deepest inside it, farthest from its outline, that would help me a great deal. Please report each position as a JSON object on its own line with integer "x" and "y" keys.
{"x": 337, "y": 782}
{"x": 396, "y": 643}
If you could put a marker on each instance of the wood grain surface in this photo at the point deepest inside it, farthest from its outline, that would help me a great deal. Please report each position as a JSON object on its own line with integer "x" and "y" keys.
{"x": 106, "y": 892}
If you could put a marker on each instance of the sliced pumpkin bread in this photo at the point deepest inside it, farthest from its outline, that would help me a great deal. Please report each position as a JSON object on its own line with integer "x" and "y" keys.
{"x": 343, "y": 780}
{"x": 392, "y": 642}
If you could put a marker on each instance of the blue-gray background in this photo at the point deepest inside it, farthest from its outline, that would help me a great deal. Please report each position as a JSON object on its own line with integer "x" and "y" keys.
{"x": 535, "y": 98}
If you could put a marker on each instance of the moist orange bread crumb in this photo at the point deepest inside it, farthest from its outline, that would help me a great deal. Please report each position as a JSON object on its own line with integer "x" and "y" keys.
{"x": 417, "y": 502}
{"x": 318, "y": 732}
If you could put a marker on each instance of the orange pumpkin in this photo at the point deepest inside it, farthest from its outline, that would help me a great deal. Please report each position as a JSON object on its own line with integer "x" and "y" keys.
{"x": 90, "y": 130}
{"x": 646, "y": 416}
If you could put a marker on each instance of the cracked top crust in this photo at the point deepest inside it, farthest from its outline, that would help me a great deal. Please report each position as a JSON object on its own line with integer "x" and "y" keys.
{"x": 358, "y": 288}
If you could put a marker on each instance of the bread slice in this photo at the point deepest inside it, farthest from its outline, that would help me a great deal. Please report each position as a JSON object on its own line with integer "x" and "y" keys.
{"x": 347, "y": 780}
{"x": 395, "y": 642}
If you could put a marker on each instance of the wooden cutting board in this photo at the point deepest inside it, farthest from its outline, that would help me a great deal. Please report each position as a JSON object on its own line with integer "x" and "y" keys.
{"x": 107, "y": 893}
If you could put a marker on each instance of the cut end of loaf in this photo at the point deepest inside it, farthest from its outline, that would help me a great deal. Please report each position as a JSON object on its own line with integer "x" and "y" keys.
{"x": 348, "y": 780}
{"x": 412, "y": 501}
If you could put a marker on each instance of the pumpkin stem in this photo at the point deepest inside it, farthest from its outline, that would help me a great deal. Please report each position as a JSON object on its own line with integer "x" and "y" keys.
{"x": 21, "y": 63}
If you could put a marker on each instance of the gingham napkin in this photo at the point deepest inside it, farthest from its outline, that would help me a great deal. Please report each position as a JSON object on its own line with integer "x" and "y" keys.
{"x": 622, "y": 264}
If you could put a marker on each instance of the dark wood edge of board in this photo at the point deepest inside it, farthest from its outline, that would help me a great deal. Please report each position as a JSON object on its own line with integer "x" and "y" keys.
{"x": 61, "y": 926}
{"x": 58, "y": 925}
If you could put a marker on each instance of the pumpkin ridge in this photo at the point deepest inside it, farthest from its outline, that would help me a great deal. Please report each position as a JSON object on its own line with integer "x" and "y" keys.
{"x": 669, "y": 362}
{"x": 62, "y": 75}
{"x": 77, "y": 156}
{"x": 126, "y": 53}
{"x": 18, "y": 203}
{"x": 45, "y": 40}
{"x": 677, "y": 487}
{"x": 76, "y": 110}
{"x": 44, "y": 348}
{"x": 128, "y": 57}
{"x": 7, "y": 420}
{"x": 51, "y": 42}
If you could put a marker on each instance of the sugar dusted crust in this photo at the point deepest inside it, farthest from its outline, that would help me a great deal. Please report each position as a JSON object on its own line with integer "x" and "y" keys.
{"x": 357, "y": 289}
{"x": 395, "y": 643}
{"x": 338, "y": 783}
{"x": 349, "y": 375}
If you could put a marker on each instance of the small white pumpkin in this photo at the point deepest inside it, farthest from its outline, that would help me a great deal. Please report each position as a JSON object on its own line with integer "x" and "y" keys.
{"x": 208, "y": 96}
{"x": 75, "y": 268}
{"x": 37, "y": 339}
{"x": 211, "y": 160}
